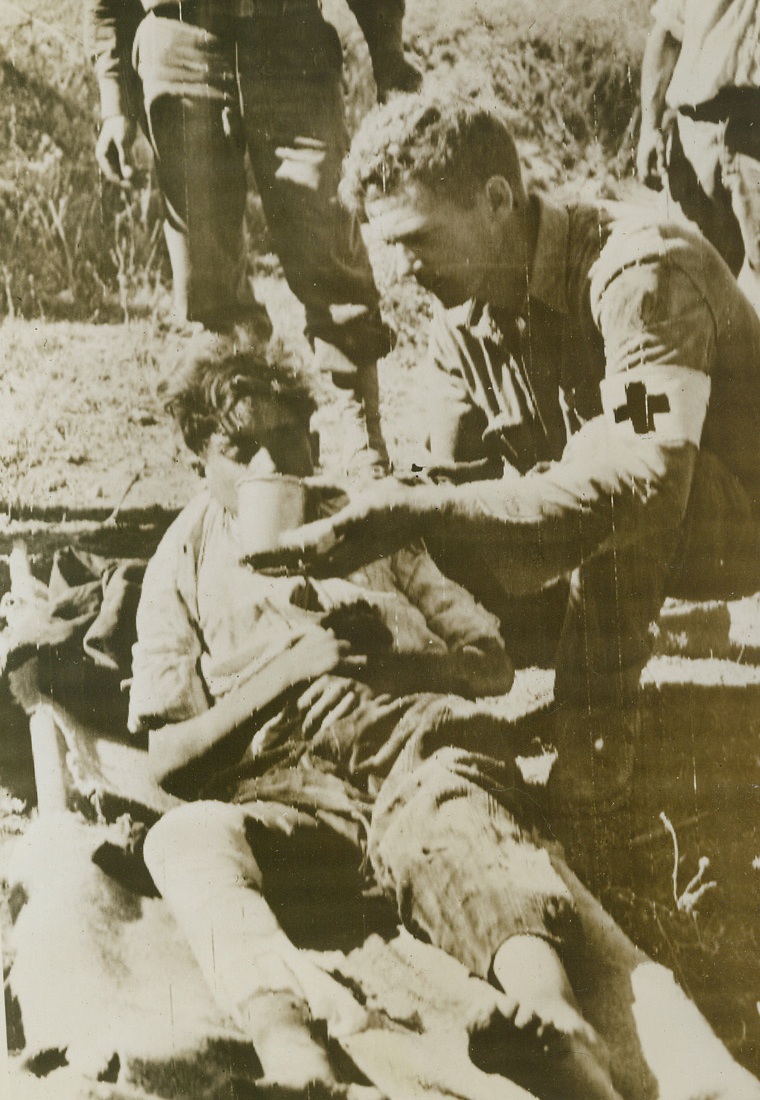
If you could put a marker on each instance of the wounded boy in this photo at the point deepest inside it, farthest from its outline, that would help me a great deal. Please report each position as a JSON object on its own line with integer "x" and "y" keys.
{"x": 312, "y": 721}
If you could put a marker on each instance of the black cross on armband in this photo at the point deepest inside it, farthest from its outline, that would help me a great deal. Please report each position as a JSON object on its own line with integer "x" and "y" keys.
{"x": 641, "y": 407}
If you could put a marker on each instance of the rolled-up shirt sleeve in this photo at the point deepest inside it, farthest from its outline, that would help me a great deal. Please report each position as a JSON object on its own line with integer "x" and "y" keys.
{"x": 651, "y": 312}
{"x": 167, "y": 685}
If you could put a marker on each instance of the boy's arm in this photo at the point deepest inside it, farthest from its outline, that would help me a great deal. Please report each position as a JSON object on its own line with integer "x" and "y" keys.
{"x": 189, "y": 738}
{"x": 185, "y": 755}
{"x": 473, "y": 662}
{"x": 167, "y": 685}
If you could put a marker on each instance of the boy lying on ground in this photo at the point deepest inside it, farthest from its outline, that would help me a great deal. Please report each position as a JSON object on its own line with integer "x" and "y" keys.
{"x": 311, "y": 721}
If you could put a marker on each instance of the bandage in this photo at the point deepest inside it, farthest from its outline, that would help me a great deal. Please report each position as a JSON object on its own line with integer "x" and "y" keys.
{"x": 665, "y": 403}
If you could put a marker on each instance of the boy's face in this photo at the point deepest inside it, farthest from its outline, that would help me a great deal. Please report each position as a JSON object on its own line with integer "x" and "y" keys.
{"x": 265, "y": 429}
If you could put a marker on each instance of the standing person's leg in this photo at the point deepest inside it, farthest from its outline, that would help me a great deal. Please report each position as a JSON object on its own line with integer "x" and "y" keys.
{"x": 201, "y": 860}
{"x": 696, "y": 186}
{"x": 741, "y": 177}
{"x": 193, "y": 123}
{"x": 291, "y": 83}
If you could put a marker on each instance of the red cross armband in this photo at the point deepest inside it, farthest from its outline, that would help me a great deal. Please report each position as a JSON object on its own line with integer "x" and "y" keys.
{"x": 668, "y": 404}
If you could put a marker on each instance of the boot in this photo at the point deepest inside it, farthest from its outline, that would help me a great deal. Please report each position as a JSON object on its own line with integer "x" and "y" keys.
{"x": 596, "y": 750}
{"x": 364, "y": 454}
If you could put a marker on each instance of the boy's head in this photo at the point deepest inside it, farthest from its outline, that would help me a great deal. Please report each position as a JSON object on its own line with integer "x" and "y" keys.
{"x": 238, "y": 403}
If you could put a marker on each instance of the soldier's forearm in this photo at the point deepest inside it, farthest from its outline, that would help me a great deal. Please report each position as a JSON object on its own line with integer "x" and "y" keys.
{"x": 474, "y": 670}
{"x": 659, "y": 61}
{"x": 539, "y": 527}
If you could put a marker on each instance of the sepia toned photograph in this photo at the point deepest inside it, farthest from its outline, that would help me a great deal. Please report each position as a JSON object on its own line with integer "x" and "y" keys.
{"x": 380, "y": 549}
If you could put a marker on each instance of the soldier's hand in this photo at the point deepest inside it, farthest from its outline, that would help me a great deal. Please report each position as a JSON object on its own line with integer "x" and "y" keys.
{"x": 650, "y": 157}
{"x": 379, "y": 523}
{"x": 398, "y": 75}
{"x": 113, "y": 149}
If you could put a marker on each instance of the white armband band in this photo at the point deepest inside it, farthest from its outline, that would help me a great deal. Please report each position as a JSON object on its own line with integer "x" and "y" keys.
{"x": 665, "y": 403}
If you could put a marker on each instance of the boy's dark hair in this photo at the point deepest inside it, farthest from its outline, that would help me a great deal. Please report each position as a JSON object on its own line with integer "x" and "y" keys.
{"x": 208, "y": 394}
{"x": 446, "y": 142}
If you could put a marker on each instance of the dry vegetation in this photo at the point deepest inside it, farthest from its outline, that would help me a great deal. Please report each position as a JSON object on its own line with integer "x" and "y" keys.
{"x": 69, "y": 249}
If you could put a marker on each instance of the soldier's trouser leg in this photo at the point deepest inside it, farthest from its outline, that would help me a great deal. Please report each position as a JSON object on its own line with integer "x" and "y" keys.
{"x": 606, "y": 639}
{"x": 193, "y": 120}
{"x": 696, "y": 185}
{"x": 290, "y": 70}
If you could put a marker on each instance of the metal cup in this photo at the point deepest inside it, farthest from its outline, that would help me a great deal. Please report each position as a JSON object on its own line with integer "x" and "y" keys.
{"x": 267, "y": 506}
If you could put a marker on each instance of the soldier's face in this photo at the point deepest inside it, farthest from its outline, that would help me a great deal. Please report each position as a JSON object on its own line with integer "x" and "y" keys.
{"x": 447, "y": 247}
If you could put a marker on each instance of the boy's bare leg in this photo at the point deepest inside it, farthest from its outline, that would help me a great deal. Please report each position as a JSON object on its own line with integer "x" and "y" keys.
{"x": 279, "y": 1025}
{"x": 202, "y": 864}
{"x": 532, "y": 975}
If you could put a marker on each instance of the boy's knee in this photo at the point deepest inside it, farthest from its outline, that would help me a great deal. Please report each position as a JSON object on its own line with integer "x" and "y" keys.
{"x": 195, "y": 827}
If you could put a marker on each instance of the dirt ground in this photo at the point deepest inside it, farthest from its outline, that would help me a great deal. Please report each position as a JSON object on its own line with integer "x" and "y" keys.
{"x": 82, "y": 423}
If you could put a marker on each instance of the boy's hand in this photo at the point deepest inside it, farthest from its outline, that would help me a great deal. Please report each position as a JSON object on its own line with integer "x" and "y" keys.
{"x": 313, "y": 655}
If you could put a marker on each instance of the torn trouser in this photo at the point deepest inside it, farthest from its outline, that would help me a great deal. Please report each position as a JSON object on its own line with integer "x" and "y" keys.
{"x": 446, "y": 841}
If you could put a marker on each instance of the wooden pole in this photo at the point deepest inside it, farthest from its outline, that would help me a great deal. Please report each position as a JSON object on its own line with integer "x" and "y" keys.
{"x": 48, "y": 749}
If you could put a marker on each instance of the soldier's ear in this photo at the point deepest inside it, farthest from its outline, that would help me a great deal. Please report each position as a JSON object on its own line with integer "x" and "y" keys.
{"x": 500, "y": 196}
